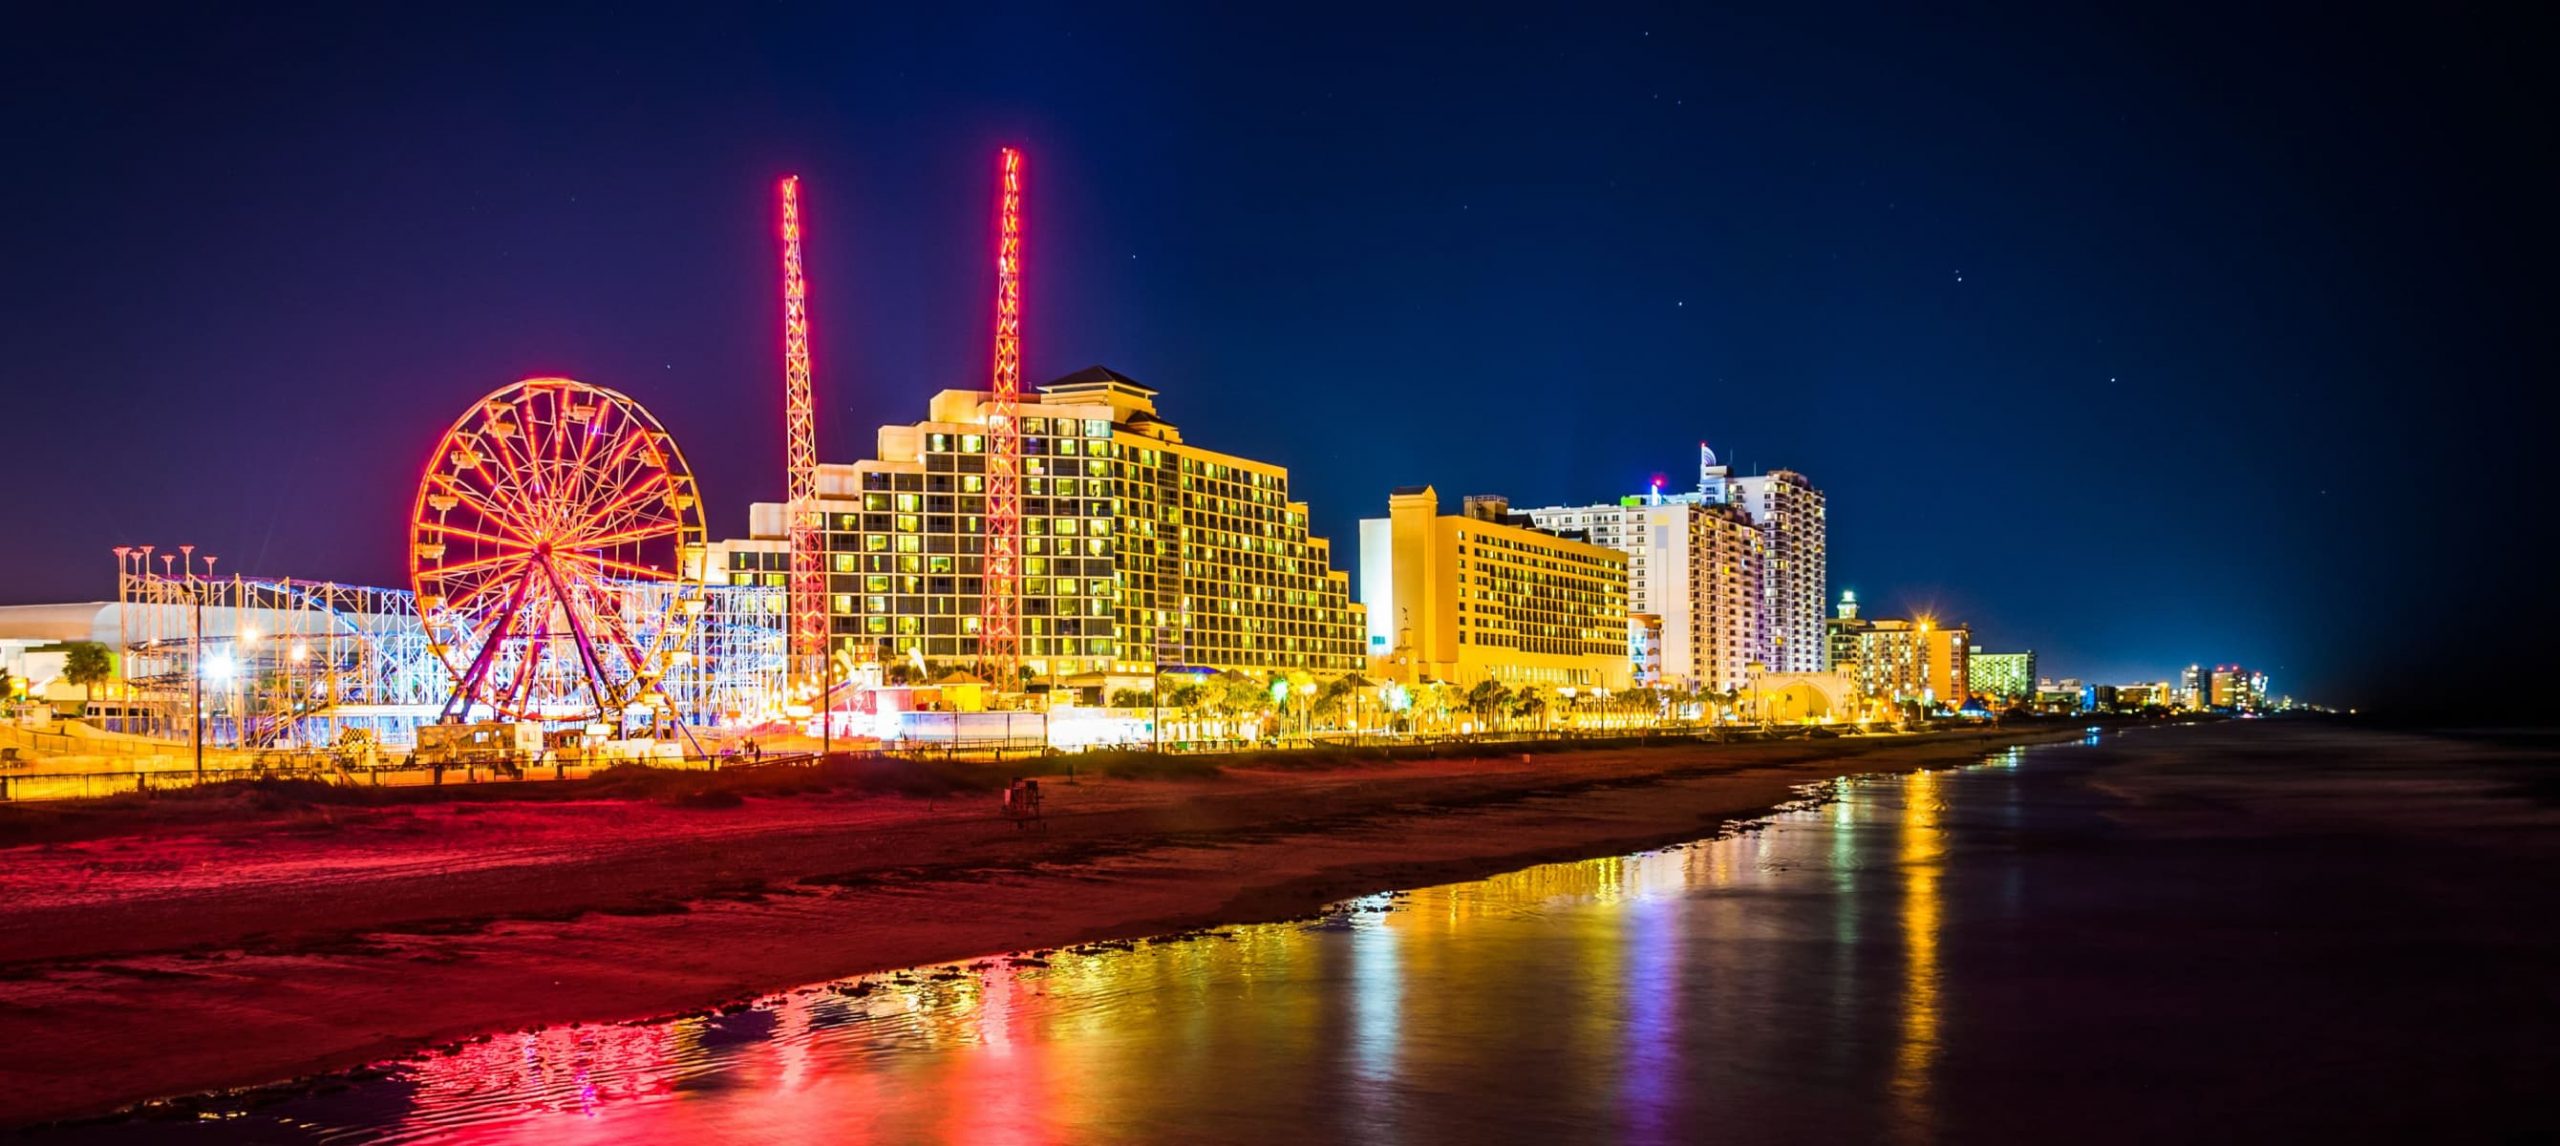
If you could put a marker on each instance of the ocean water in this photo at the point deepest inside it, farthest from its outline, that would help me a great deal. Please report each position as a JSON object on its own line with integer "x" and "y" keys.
{"x": 2248, "y": 932}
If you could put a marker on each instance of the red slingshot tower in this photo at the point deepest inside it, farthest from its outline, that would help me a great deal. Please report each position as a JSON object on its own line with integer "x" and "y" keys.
{"x": 808, "y": 593}
{"x": 1000, "y": 614}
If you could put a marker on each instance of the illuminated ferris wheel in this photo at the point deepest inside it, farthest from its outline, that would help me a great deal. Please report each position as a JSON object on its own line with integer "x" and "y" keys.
{"x": 549, "y": 549}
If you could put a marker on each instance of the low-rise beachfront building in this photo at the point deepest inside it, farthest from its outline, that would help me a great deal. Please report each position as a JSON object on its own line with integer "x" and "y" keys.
{"x": 1140, "y": 550}
{"x": 1484, "y": 595}
{"x": 1923, "y": 660}
{"x": 1801, "y": 698}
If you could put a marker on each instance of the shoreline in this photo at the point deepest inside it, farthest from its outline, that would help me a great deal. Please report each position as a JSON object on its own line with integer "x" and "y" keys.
{"x": 143, "y": 968}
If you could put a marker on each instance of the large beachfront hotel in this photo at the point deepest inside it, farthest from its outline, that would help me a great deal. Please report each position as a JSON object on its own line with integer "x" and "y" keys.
{"x": 1486, "y": 595}
{"x": 1140, "y": 550}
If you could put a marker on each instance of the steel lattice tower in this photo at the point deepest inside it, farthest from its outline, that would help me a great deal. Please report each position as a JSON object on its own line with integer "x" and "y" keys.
{"x": 808, "y": 597}
{"x": 999, "y": 624}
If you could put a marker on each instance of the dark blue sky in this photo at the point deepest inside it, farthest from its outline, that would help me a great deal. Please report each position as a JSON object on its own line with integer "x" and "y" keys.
{"x": 2134, "y": 335}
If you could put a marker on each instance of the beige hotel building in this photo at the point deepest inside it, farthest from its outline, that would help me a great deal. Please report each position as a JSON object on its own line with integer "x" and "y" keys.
{"x": 1139, "y": 549}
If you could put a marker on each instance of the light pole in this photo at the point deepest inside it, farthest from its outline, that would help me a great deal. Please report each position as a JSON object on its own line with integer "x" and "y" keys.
{"x": 195, "y": 682}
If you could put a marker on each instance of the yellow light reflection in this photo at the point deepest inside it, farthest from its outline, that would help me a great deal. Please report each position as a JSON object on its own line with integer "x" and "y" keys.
{"x": 1922, "y": 847}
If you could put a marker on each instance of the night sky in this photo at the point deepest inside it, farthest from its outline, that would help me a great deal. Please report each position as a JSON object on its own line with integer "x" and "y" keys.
{"x": 2134, "y": 336}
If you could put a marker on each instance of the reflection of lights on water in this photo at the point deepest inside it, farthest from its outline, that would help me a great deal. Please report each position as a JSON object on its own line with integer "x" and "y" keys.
{"x": 1922, "y": 847}
{"x": 1377, "y": 997}
{"x": 1652, "y": 1053}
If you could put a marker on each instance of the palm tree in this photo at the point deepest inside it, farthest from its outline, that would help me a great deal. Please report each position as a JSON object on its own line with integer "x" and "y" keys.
{"x": 1532, "y": 701}
{"x": 87, "y": 665}
{"x": 1488, "y": 698}
{"x": 1338, "y": 700}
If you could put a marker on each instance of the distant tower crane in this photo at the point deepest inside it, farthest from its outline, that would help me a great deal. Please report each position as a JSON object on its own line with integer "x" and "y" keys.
{"x": 808, "y": 592}
{"x": 1000, "y": 616}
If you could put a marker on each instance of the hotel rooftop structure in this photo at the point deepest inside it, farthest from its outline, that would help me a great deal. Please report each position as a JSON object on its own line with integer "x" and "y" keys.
{"x": 1139, "y": 550}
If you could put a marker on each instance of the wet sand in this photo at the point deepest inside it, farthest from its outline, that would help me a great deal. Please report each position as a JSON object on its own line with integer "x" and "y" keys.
{"x": 241, "y": 953}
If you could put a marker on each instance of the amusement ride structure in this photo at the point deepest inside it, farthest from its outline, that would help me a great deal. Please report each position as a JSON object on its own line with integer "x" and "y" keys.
{"x": 548, "y": 550}
{"x": 556, "y": 557}
{"x": 1000, "y": 607}
{"x": 808, "y": 597}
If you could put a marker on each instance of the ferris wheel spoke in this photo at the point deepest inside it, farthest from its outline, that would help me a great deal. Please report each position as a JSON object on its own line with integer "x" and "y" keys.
{"x": 564, "y": 479}
{"x": 540, "y": 437}
{"x": 629, "y": 536}
{"x": 474, "y": 563}
{"x": 472, "y": 534}
{"x": 622, "y": 522}
{"x": 516, "y": 448}
{"x": 589, "y": 470}
{"x": 470, "y": 597}
{"x": 514, "y": 503}
{"x": 624, "y": 498}
{"x": 492, "y": 488}
{"x": 601, "y": 561}
{"x": 626, "y": 447}
{"x": 503, "y": 447}
{"x": 526, "y": 459}
{"x": 625, "y": 473}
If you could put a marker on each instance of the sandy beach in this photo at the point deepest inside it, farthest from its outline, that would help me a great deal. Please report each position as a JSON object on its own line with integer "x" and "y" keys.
{"x": 203, "y": 955}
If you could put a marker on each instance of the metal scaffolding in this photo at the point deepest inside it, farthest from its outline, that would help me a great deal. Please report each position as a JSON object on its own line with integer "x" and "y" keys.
{"x": 271, "y": 663}
{"x": 283, "y": 663}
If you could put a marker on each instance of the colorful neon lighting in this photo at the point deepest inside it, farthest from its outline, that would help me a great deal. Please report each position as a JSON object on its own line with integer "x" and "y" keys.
{"x": 544, "y": 514}
{"x": 999, "y": 625}
{"x": 808, "y": 593}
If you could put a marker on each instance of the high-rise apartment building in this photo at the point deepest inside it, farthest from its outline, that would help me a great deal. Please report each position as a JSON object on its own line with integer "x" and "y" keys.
{"x": 1138, "y": 550}
{"x": 1795, "y": 566}
{"x": 1485, "y": 595}
{"x": 1737, "y": 569}
{"x": 1693, "y": 564}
